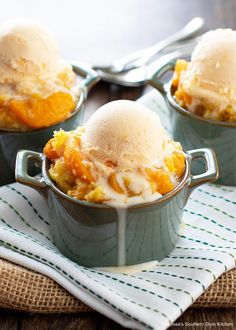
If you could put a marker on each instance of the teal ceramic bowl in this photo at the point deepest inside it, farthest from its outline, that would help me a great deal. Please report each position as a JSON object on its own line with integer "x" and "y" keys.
{"x": 96, "y": 235}
{"x": 12, "y": 141}
{"x": 194, "y": 131}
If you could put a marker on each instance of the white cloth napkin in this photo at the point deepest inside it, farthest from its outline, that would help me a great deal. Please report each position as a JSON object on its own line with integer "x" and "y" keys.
{"x": 150, "y": 299}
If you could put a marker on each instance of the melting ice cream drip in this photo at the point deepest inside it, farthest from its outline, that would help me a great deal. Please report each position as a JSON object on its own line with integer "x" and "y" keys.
{"x": 121, "y": 250}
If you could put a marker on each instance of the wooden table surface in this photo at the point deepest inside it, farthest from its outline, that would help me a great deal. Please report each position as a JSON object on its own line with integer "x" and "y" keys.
{"x": 98, "y": 31}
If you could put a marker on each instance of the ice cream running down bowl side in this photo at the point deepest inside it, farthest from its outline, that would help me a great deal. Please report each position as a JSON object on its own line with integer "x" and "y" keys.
{"x": 39, "y": 92}
{"x": 201, "y": 98}
{"x": 116, "y": 187}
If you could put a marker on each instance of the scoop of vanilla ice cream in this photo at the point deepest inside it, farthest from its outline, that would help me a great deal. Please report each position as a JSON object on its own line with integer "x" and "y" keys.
{"x": 27, "y": 50}
{"x": 211, "y": 74}
{"x": 30, "y": 62}
{"x": 125, "y": 133}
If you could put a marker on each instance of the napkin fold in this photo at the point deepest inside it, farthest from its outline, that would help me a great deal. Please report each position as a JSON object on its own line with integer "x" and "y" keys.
{"x": 150, "y": 299}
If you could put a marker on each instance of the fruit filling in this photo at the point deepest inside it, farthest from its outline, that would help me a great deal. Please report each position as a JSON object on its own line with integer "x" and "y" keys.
{"x": 77, "y": 175}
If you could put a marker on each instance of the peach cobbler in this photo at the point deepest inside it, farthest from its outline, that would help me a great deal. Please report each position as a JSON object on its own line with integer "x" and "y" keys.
{"x": 121, "y": 156}
{"x": 206, "y": 85}
{"x": 37, "y": 89}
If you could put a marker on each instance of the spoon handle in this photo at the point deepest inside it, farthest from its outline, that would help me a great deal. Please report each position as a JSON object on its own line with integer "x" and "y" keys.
{"x": 187, "y": 32}
{"x": 143, "y": 56}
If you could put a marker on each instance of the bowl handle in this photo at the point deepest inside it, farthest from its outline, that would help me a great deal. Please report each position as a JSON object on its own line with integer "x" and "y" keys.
{"x": 90, "y": 76}
{"x": 21, "y": 172}
{"x": 161, "y": 66}
{"x": 212, "y": 169}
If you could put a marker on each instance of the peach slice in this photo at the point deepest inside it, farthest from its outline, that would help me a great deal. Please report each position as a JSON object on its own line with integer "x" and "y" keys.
{"x": 161, "y": 180}
{"x": 49, "y": 152}
{"x": 74, "y": 161}
{"x": 179, "y": 163}
{"x": 38, "y": 112}
{"x": 112, "y": 180}
{"x": 176, "y": 163}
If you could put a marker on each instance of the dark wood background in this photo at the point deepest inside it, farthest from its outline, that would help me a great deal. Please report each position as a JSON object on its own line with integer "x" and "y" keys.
{"x": 99, "y": 31}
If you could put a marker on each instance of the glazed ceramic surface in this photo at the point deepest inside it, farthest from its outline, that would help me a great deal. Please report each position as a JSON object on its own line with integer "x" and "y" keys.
{"x": 11, "y": 142}
{"x": 96, "y": 235}
{"x": 196, "y": 132}
{"x": 193, "y": 133}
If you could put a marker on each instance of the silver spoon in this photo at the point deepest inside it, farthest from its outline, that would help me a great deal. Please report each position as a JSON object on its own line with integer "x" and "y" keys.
{"x": 143, "y": 56}
{"x": 138, "y": 76}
